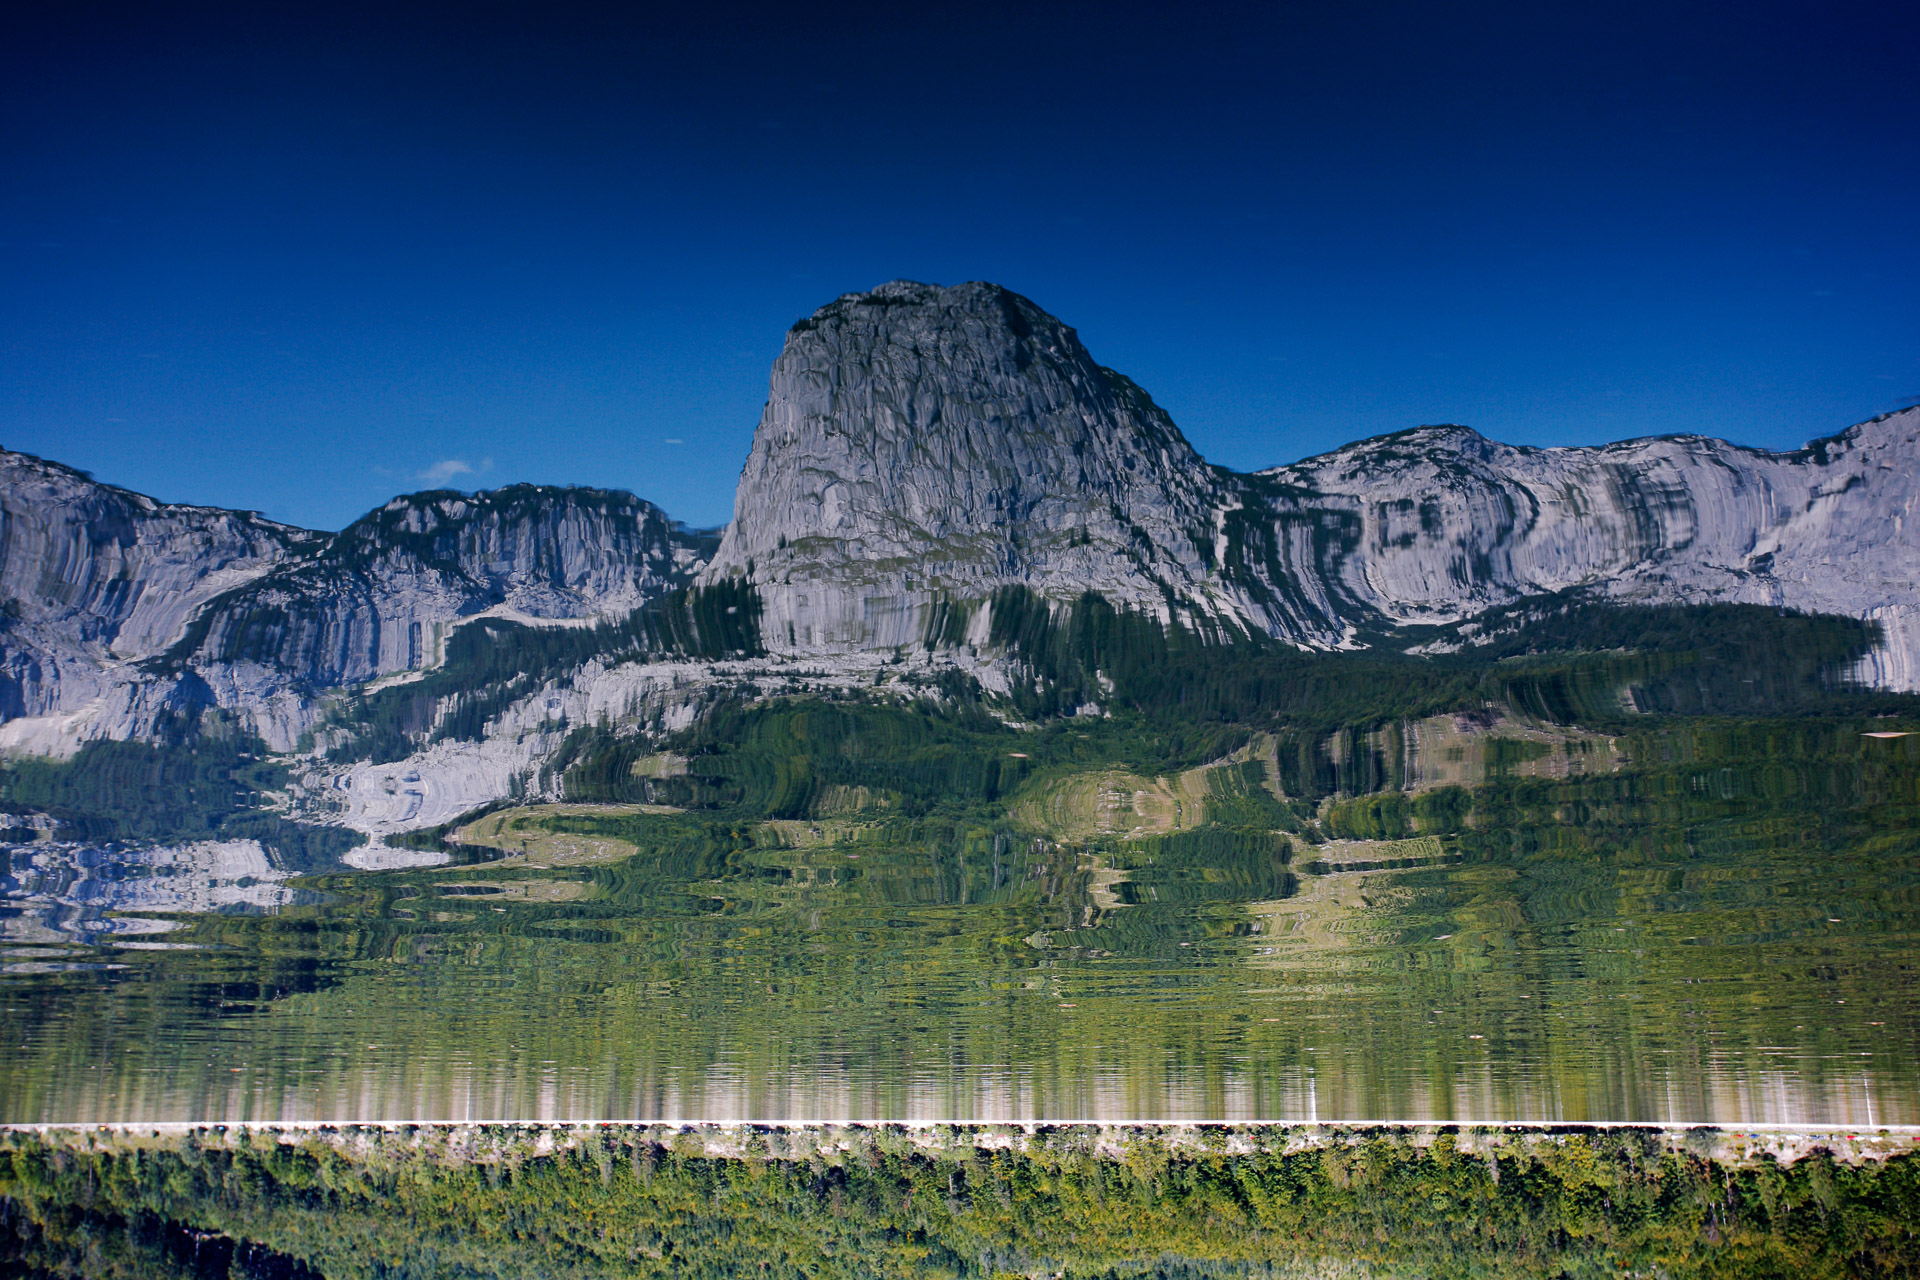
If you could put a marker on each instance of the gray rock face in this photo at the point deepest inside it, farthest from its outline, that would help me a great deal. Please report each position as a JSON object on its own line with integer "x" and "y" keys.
{"x": 921, "y": 448}
{"x": 1440, "y": 524}
{"x": 93, "y": 577}
{"x": 922, "y": 443}
{"x": 122, "y": 612}
{"x": 382, "y": 596}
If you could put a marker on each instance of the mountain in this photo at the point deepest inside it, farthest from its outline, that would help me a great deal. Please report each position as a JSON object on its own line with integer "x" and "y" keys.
{"x": 124, "y": 614}
{"x": 384, "y": 595}
{"x": 94, "y": 579}
{"x": 922, "y": 447}
{"x": 1439, "y": 524}
{"x": 924, "y": 450}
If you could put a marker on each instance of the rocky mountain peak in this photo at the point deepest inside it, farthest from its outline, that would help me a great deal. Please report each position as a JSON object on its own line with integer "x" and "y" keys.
{"x": 98, "y": 565}
{"x": 922, "y": 447}
{"x": 922, "y": 441}
{"x": 385, "y": 593}
{"x": 519, "y": 525}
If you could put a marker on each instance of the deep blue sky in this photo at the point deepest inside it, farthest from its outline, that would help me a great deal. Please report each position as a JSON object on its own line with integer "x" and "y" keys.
{"x": 300, "y": 264}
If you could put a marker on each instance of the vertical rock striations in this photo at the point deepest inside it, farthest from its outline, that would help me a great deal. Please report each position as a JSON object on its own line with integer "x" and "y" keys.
{"x": 94, "y": 578}
{"x": 1444, "y": 524}
{"x": 922, "y": 444}
{"x": 122, "y": 613}
{"x": 381, "y": 596}
{"x": 923, "y": 447}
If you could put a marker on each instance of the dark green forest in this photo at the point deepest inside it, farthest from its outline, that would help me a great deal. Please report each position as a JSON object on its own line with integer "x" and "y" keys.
{"x": 1170, "y": 698}
{"x": 614, "y": 1201}
{"x": 1561, "y": 660}
{"x": 491, "y": 665}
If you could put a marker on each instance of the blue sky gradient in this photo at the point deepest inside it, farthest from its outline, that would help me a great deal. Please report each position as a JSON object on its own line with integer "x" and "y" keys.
{"x": 299, "y": 262}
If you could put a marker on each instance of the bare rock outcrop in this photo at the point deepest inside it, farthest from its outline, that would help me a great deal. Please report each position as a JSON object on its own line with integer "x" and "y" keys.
{"x": 123, "y": 615}
{"x": 922, "y": 447}
{"x": 94, "y": 578}
{"x": 923, "y": 444}
{"x": 1444, "y": 524}
{"x": 382, "y": 596}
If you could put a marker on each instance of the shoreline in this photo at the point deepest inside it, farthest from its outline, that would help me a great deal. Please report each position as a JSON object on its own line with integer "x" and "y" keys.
{"x": 489, "y": 1142}
{"x": 977, "y": 1126}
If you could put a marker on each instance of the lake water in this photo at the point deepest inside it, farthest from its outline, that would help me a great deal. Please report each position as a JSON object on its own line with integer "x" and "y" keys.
{"x": 1712, "y": 926}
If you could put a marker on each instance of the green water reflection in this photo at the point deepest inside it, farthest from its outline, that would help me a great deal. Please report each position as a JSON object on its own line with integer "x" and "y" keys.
{"x": 1719, "y": 925}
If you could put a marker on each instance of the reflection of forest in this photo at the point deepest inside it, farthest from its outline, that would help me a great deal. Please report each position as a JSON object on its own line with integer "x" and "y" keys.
{"x": 851, "y": 911}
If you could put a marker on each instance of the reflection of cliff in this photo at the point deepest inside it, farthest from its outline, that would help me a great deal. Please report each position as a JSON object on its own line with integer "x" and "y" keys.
{"x": 57, "y": 893}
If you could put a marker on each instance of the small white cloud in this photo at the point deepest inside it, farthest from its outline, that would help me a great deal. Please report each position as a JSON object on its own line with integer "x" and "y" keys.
{"x": 672, "y": 440}
{"x": 447, "y": 468}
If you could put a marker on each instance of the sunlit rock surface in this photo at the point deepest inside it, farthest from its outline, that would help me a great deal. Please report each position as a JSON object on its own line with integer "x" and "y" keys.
{"x": 922, "y": 443}
{"x": 921, "y": 448}
{"x": 382, "y": 595}
{"x": 125, "y": 613}
{"x": 925, "y": 445}
{"x": 94, "y": 578}
{"x": 1441, "y": 524}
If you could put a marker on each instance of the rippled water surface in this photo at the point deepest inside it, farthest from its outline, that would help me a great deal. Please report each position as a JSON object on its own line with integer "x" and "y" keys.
{"x": 1719, "y": 930}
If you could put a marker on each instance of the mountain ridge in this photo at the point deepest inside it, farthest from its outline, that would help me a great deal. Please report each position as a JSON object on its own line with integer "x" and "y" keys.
{"x": 924, "y": 449}
{"x": 954, "y": 440}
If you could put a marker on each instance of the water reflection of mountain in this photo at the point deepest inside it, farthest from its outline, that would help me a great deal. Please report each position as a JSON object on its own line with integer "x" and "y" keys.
{"x": 860, "y": 914}
{"x": 58, "y": 893}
